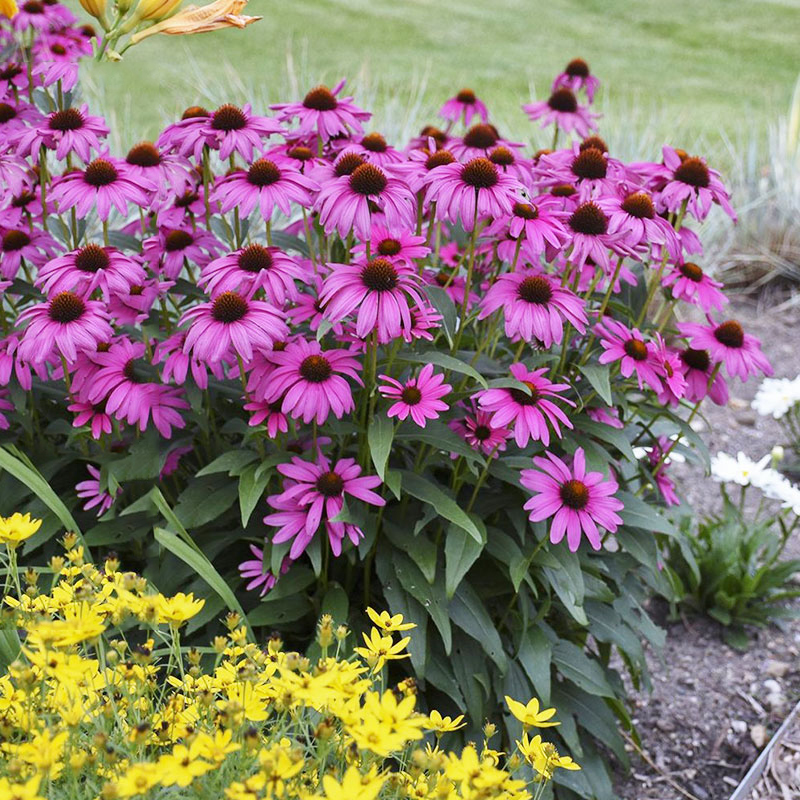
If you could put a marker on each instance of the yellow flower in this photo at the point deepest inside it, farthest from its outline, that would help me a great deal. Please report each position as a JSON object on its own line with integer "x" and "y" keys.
{"x": 81, "y": 622}
{"x": 543, "y": 756}
{"x": 182, "y": 765}
{"x": 530, "y": 715}
{"x": 440, "y": 724}
{"x": 217, "y": 748}
{"x": 353, "y": 785}
{"x": 138, "y": 779}
{"x": 380, "y": 649}
{"x": 194, "y": 19}
{"x": 8, "y": 8}
{"x": 388, "y": 623}
{"x": 385, "y": 725}
{"x": 44, "y": 753}
{"x": 178, "y": 609}
{"x": 20, "y": 791}
{"x": 18, "y": 527}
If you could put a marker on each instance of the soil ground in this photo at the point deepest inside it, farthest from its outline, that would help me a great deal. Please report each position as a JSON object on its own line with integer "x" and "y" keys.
{"x": 712, "y": 707}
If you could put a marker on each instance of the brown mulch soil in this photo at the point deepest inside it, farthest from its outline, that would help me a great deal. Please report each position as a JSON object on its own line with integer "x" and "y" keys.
{"x": 712, "y": 707}
{"x": 781, "y": 777}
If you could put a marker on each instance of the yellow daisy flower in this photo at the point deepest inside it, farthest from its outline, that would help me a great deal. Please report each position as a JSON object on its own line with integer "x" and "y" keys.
{"x": 530, "y": 715}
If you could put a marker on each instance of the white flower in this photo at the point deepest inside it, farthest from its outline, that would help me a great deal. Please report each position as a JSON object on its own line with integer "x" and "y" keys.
{"x": 776, "y": 396}
{"x": 741, "y": 469}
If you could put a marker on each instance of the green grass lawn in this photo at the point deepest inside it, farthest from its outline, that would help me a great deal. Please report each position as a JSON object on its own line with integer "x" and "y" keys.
{"x": 714, "y": 68}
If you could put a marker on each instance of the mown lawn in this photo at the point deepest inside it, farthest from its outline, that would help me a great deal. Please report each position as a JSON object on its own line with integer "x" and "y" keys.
{"x": 713, "y": 68}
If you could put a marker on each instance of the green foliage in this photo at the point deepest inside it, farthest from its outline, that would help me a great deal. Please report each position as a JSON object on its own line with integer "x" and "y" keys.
{"x": 730, "y": 568}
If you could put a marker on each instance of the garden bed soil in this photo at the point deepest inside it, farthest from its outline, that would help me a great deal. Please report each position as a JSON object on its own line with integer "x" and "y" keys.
{"x": 712, "y": 708}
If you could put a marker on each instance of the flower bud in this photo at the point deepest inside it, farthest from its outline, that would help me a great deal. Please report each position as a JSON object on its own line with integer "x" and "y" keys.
{"x": 97, "y": 8}
{"x": 777, "y": 454}
{"x": 155, "y": 9}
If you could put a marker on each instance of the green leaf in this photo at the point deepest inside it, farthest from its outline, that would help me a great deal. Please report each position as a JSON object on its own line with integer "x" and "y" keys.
{"x": 599, "y": 378}
{"x": 9, "y": 646}
{"x": 336, "y": 603}
{"x": 638, "y": 514}
{"x": 469, "y": 613}
{"x": 204, "y": 500}
{"x": 252, "y": 483}
{"x": 461, "y": 551}
{"x": 424, "y": 490}
{"x": 447, "y": 362}
{"x": 577, "y": 667}
{"x": 605, "y": 433}
{"x": 15, "y": 464}
{"x": 535, "y": 655}
{"x": 281, "y": 611}
{"x": 144, "y": 460}
{"x": 442, "y": 302}
{"x": 379, "y": 438}
{"x": 202, "y": 566}
{"x": 231, "y": 462}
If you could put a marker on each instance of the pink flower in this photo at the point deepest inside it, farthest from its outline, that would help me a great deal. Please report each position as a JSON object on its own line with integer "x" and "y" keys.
{"x": 33, "y": 245}
{"x": 576, "y": 76}
{"x": 464, "y": 106}
{"x": 562, "y": 108}
{"x": 315, "y": 492}
{"x": 418, "y": 397}
{"x": 177, "y": 363}
{"x": 64, "y": 325}
{"x": 375, "y": 150}
{"x": 232, "y": 323}
{"x": 104, "y": 183}
{"x": 634, "y": 216}
{"x": 634, "y": 354}
{"x": 481, "y": 432}
{"x": 268, "y": 413}
{"x": 344, "y": 202}
{"x": 529, "y": 413}
{"x": 309, "y": 381}
{"x": 397, "y": 245}
{"x": 481, "y": 140}
{"x": 690, "y": 283}
{"x": 253, "y": 268}
{"x": 591, "y": 238}
{"x": 534, "y": 306}
{"x": 322, "y": 112}
{"x": 539, "y": 223}
{"x": 71, "y": 130}
{"x": 89, "y": 268}
{"x": 231, "y": 129}
{"x": 256, "y": 572}
{"x": 265, "y": 184}
{"x": 472, "y": 191}
{"x": 728, "y": 342}
{"x": 378, "y": 292}
{"x": 95, "y": 416}
{"x": 165, "y": 171}
{"x": 589, "y": 169}
{"x": 90, "y": 491}
{"x": 167, "y": 252}
{"x": 697, "y": 370}
{"x": 578, "y": 501}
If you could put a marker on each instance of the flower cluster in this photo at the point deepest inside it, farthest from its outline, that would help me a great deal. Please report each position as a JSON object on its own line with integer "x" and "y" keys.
{"x": 102, "y": 699}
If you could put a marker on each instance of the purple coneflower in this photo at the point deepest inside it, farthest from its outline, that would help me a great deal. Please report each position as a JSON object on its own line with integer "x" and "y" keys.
{"x": 418, "y": 397}
{"x": 167, "y": 252}
{"x": 95, "y": 497}
{"x": 265, "y": 184}
{"x": 535, "y": 306}
{"x": 321, "y": 112}
{"x": 464, "y": 106}
{"x": 529, "y": 413}
{"x": 697, "y": 370}
{"x": 378, "y": 292}
{"x": 166, "y": 171}
{"x": 374, "y": 149}
{"x": 479, "y": 141}
{"x": 258, "y": 574}
{"x": 691, "y": 284}
{"x": 563, "y": 109}
{"x": 540, "y": 225}
{"x": 310, "y": 381}
{"x": 64, "y": 325}
{"x": 71, "y": 130}
{"x": 481, "y": 432}
{"x": 269, "y": 414}
{"x": 93, "y": 415}
{"x": 576, "y": 76}
{"x": 232, "y": 323}
{"x": 634, "y": 354}
{"x": 578, "y": 501}
{"x": 32, "y": 244}
{"x": 231, "y": 129}
{"x": 728, "y": 342}
{"x": 398, "y": 245}
{"x": 590, "y": 237}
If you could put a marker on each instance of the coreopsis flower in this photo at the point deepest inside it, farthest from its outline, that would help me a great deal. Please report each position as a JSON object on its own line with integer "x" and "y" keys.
{"x": 105, "y": 184}
{"x": 419, "y": 398}
{"x": 532, "y": 414}
{"x": 691, "y": 284}
{"x": 777, "y": 396}
{"x": 251, "y": 269}
{"x": 321, "y": 112}
{"x": 379, "y": 293}
{"x": 354, "y": 784}
{"x": 728, "y": 342}
{"x": 267, "y": 184}
{"x": 464, "y": 106}
{"x": 167, "y": 252}
{"x": 24, "y": 242}
{"x": 64, "y": 325}
{"x": 544, "y": 757}
{"x": 95, "y": 497}
{"x": 562, "y": 108}
{"x": 534, "y": 306}
{"x": 17, "y": 528}
{"x": 379, "y": 649}
{"x": 481, "y": 432}
{"x": 633, "y": 353}
{"x": 344, "y": 203}
{"x": 688, "y": 180}
{"x": 232, "y": 323}
{"x": 309, "y": 381}
{"x": 577, "y": 501}
{"x": 440, "y": 724}
{"x": 26, "y": 789}
{"x": 316, "y": 491}
{"x": 388, "y": 622}
{"x": 70, "y": 130}
{"x": 577, "y": 76}
{"x": 473, "y": 191}
{"x": 178, "y": 609}
{"x": 530, "y": 714}
{"x": 89, "y": 268}
{"x": 698, "y": 370}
